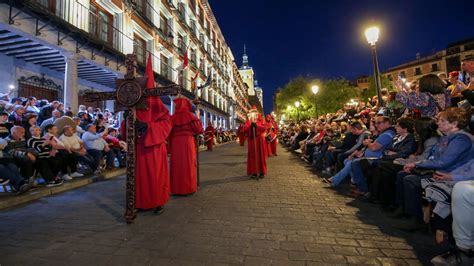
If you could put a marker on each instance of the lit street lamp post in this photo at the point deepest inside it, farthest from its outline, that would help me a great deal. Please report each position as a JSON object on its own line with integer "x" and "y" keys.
{"x": 315, "y": 90}
{"x": 297, "y": 104}
{"x": 372, "y": 35}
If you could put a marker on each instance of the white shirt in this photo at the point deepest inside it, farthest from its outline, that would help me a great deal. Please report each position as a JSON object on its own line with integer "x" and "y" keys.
{"x": 72, "y": 142}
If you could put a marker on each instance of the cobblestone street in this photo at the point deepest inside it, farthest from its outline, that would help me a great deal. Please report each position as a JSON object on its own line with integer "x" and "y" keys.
{"x": 288, "y": 218}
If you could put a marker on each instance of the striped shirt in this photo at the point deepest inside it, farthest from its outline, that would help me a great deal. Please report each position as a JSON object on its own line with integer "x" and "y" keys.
{"x": 42, "y": 150}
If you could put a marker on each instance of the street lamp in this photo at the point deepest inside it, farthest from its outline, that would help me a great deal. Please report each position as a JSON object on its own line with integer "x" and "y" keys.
{"x": 315, "y": 90}
{"x": 297, "y": 104}
{"x": 372, "y": 35}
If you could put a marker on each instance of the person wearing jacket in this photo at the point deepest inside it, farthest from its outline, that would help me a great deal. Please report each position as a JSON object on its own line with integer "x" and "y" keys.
{"x": 454, "y": 149}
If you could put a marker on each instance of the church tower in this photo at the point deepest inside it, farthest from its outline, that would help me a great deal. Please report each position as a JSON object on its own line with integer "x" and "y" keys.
{"x": 247, "y": 74}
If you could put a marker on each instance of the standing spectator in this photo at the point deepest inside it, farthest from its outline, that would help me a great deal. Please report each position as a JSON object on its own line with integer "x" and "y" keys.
{"x": 429, "y": 100}
{"x": 5, "y": 126}
{"x": 16, "y": 118}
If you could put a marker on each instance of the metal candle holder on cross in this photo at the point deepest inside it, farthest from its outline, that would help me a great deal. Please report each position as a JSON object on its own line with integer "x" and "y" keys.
{"x": 130, "y": 95}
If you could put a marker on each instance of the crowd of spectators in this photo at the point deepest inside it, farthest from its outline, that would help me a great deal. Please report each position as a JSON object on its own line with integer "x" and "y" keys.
{"x": 412, "y": 156}
{"x": 41, "y": 142}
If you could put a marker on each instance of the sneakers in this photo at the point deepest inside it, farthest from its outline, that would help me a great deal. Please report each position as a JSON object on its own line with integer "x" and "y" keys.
{"x": 54, "y": 183}
{"x": 455, "y": 257}
{"x": 4, "y": 182}
{"x": 23, "y": 188}
{"x": 76, "y": 174}
{"x": 298, "y": 151}
{"x": 66, "y": 177}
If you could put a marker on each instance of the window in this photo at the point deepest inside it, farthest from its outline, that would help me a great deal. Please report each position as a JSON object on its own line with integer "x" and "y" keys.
{"x": 193, "y": 56}
{"x": 139, "y": 48}
{"x": 417, "y": 71}
{"x": 181, "y": 11}
{"x": 165, "y": 66}
{"x": 193, "y": 27}
{"x": 402, "y": 74}
{"x": 164, "y": 25}
{"x": 453, "y": 50}
{"x": 100, "y": 24}
{"x": 192, "y": 5}
{"x": 181, "y": 44}
{"x": 389, "y": 76}
{"x": 142, "y": 7}
{"x": 201, "y": 16}
{"x": 434, "y": 68}
{"x": 469, "y": 46}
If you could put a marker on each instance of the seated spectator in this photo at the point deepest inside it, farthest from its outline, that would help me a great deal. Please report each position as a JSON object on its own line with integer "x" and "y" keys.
{"x": 74, "y": 144}
{"x": 97, "y": 147}
{"x": 9, "y": 171}
{"x": 85, "y": 120}
{"x": 46, "y": 164}
{"x": 463, "y": 225}
{"x": 65, "y": 120}
{"x": 50, "y": 121}
{"x": 454, "y": 149}
{"x": 115, "y": 145}
{"x": 79, "y": 131}
{"x": 47, "y": 111}
{"x": 16, "y": 118}
{"x": 384, "y": 176}
{"x": 30, "y": 105}
{"x": 67, "y": 159}
{"x": 5, "y": 126}
{"x": 29, "y": 121}
{"x": 402, "y": 145}
{"x": 19, "y": 152}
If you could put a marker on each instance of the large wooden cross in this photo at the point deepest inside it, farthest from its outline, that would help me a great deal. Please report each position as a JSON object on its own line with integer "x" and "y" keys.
{"x": 130, "y": 95}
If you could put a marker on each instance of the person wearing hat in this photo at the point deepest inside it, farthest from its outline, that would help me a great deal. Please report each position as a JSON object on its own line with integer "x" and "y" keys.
{"x": 257, "y": 145}
{"x": 16, "y": 118}
{"x": 5, "y": 126}
{"x": 182, "y": 147}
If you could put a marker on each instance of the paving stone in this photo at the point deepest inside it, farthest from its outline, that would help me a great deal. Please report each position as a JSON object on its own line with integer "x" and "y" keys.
{"x": 288, "y": 218}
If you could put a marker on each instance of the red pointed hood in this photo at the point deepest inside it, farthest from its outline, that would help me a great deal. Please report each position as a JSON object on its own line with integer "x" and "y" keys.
{"x": 182, "y": 112}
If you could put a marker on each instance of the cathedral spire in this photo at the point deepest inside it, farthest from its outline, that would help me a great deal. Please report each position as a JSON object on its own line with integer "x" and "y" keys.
{"x": 245, "y": 58}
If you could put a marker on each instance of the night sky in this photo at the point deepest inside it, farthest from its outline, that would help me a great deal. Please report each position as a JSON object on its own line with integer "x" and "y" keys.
{"x": 324, "y": 39}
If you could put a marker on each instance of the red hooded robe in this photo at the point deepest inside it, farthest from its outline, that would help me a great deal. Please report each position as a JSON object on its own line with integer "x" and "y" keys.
{"x": 209, "y": 135}
{"x": 152, "y": 179}
{"x": 257, "y": 148}
{"x": 183, "y": 162}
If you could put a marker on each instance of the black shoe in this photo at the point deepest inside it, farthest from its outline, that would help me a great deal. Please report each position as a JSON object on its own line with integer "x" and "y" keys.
{"x": 23, "y": 188}
{"x": 54, "y": 183}
{"x": 159, "y": 210}
{"x": 261, "y": 176}
{"x": 254, "y": 176}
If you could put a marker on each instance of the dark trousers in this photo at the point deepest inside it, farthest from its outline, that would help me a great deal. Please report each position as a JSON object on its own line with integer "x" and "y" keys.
{"x": 68, "y": 161}
{"x": 383, "y": 185}
{"x": 27, "y": 167}
{"x": 9, "y": 171}
{"x": 48, "y": 168}
{"x": 409, "y": 193}
{"x": 97, "y": 155}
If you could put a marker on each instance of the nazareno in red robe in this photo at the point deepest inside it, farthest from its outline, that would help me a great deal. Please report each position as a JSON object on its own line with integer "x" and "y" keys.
{"x": 257, "y": 148}
{"x": 182, "y": 142}
{"x": 209, "y": 135}
{"x": 274, "y": 143}
{"x": 241, "y": 135}
{"x": 151, "y": 170}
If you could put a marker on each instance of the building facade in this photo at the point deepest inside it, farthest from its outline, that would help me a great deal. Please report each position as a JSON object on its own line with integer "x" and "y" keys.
{"x": 54, "y": 49}
{"x": 443, "y": 61}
